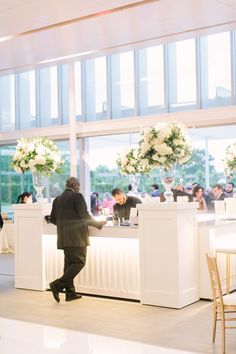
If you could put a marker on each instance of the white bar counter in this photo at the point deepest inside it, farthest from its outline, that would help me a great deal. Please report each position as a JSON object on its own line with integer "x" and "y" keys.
{"x": 119, "y": 258}
{"x": 112, "y": 267}
{"x": 161, "y": 262}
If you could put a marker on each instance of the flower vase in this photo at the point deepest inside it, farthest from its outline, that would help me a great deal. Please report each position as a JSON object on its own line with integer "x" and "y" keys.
{"x": 39, "y": 182}
{"x": 134, "y": 182}
{"x": 168, "y": 179}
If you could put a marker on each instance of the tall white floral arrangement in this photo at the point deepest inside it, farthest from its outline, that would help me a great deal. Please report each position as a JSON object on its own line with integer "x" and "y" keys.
{"x": 165, "y": 145}
{"x": 131, "y": 163}
{"x": 230, "y": 159}
{"x": 37, "y": 154}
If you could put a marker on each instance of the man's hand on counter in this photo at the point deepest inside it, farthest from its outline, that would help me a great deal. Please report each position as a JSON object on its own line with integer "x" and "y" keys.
{"x": 101, "y": 224}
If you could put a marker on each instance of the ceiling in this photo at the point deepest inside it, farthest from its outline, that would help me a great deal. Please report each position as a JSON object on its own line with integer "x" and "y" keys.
{"x": 34, "y": 32}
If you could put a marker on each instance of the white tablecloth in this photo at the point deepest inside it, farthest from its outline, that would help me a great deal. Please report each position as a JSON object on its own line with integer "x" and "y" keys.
{"x": 7, "y": 238}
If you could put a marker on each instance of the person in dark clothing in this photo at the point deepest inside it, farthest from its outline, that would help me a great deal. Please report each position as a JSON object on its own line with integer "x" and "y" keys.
{"x": 121, "y": 210}
{"x": 69, "y": 213}
{"x": 155, "y": 190}
{"x": 177, "y": 193}
{"x": 218, "y": 191}
{"x": 1, "y": 221}
{"x": 25, "y": 198}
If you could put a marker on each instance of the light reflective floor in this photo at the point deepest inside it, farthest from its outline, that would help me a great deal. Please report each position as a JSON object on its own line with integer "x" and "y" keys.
{"x": 23, "y": 337}
{"x": 32, "y": 322}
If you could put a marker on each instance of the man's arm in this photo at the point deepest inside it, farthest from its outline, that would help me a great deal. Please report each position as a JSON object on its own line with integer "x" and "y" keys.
{"x": 84, "y": 214}
{"x": 53, "y": 213}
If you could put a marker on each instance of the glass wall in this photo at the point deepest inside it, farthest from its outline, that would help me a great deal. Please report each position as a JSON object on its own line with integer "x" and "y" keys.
{"x": 27, "y": 99}
{"x": 182, "y": 75}
{"x": 151, "y": 80}
{"x": 122, "y": 85}
{"x": 215, "y": 70}
{"x": 178, "y": 76}
{"x": 7, "y": 103}
{"x": 78, "y": 90}
{"x": 96, "y": 89}
{"x": 48, "y": 96}
{"x": 101, "y": 158}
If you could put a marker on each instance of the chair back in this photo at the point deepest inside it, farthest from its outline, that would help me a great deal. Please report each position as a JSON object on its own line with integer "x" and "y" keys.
{"x": 215, "y": 282}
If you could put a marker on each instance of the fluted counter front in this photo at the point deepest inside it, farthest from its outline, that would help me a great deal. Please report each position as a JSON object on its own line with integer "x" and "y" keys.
{"x": 112, "y": 267}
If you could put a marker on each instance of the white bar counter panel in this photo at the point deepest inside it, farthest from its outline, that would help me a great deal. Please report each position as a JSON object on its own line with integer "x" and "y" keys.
{"x": 168, "y": 254}
{"x": 112, "y": 267}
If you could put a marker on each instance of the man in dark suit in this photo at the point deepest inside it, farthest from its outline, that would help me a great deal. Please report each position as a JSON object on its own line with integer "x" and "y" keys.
{"x": 219, "y": 194}
{"x": 69, "y": 213}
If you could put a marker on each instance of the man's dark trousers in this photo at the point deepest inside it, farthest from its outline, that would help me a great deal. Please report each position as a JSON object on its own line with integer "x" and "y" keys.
{"x": 74, "y": 261}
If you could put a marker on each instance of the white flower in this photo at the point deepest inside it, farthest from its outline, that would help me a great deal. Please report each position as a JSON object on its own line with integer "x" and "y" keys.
{"x": 164, "y": 133}
{"x": 36, "y": 154}
{"x": 163, "y": 149}
{"x": 18, "y": 169}
{"x": 40, "y": 150}
{"x": 165, "y": 145}
{"x": 40, "y": 160}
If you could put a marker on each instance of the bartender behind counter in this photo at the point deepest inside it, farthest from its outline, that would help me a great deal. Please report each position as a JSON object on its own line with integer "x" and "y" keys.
{"x": 121, "y": 210}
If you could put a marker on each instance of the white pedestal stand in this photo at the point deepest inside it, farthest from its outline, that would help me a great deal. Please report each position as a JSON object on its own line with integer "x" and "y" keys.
{"x": 168, "y": 254}
{"x": 29, "y": 245}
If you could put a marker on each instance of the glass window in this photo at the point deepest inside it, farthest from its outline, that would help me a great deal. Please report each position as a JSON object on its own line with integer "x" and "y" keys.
{"x": 64, "y": 93}
{"x": 78, "y": 90}
{"x": 122, "y": 85}
{"x": 96, "y": 89}
{"x": 151, "y": 80}
{"x": 27, "y": 100}
{"x": 215, "y": 70}
{"x": 102, "y": 155}
{"x": 182, "y": 75}
{"x": 48, "y": 96}
{"x": 7, "y": 103}
{"x": 57, "y": 181}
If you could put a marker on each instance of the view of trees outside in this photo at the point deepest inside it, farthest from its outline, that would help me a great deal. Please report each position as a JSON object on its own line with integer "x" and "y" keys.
{"x": 104, "y": 179}
{"x": 13, "y": 184}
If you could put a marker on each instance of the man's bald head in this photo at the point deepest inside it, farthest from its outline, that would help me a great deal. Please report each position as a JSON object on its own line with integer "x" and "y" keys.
{"x": 73, "y": 183}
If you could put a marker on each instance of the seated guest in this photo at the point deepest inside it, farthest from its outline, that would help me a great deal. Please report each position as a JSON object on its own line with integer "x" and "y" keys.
{"x": 108, "y": 202}
{"x": 25, "y": 198}
{"x": 96, "y": 204}
{"x": 188, "y": 188}
{"x": 177, "y": 193}
{"x": 121, "y": 210}
{"x": 199, "y": 198}
{"x": 180, "y": 187}
{"x": 219, "y": 194}
{"x": 229, "y": 190}
{"x": 155, "y": 190}
{"x": 130, "y": 190}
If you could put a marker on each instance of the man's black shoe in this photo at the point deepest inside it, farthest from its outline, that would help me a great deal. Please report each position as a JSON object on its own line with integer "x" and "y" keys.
{"x": 55, "y": 292}
{"x": 73, "y": 297}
